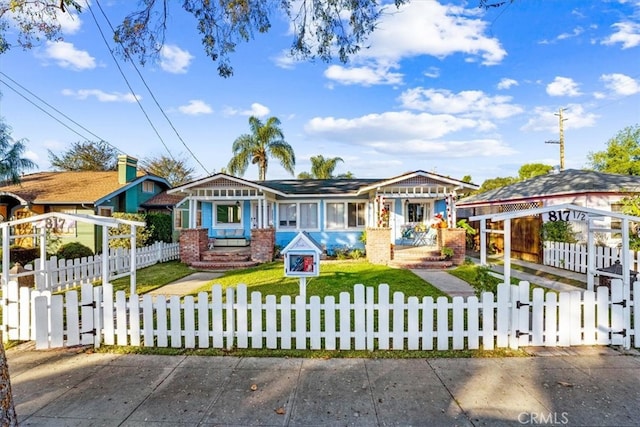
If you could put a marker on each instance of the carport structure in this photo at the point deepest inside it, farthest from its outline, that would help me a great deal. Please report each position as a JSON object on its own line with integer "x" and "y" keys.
{"x": 43, "y": 225}
{"x": 563, "y": 212}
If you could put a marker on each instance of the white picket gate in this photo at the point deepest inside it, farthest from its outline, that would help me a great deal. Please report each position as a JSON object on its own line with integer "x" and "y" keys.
{"x": 373, "y": 319}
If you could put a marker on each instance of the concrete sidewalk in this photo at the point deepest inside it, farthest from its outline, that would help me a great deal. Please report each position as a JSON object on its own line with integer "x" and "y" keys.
{"x": 577, "y": 387}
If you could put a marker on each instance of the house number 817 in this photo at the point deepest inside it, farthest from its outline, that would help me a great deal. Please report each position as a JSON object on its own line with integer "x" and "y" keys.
{"x": 553, "y": 216}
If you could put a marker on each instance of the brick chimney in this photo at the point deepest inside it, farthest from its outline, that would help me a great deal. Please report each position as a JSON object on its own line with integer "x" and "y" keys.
{"x": 127, "y": 168}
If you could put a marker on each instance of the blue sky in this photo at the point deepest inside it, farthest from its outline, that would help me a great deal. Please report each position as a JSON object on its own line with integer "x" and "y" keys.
{"x": 443, "y": 87}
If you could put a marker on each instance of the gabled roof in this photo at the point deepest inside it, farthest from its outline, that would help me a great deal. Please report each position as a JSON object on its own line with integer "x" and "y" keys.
{"x": 75, "y": 187}
{"x": 435, "y": 178}
{"x": 318, "y": 186}
{"x": 567, "y": 182}
{"x": 204, "y": 182}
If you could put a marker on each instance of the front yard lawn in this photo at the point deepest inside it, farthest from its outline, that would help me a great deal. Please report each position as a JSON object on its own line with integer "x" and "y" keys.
{"x": 268, "y": 279}
{"x": 335, "y": 277}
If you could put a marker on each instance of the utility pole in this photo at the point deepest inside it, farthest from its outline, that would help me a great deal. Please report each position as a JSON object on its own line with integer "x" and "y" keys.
{"x": 561, "y": 141}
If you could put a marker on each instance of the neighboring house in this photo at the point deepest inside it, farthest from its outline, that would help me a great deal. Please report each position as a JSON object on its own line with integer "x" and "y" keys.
{"x": 335, "y": 212}
{"x": 83, "y": 192}
{"x": 590, "y": 189}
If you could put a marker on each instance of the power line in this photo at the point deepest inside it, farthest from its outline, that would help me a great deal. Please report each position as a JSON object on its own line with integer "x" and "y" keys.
{"x": 147, "y": 86}
{"x": 127, "y": 83}
{"x": 54, "y": 109}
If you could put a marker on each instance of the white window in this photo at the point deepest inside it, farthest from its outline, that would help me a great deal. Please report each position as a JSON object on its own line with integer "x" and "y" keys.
{"x": 287, "y": 215}
{"x": 303, "y": 216}
{"x": 148, "y": 187}
{"x": 308, "y": 215}
{"x": 345, "y": 215}
{"x": 228, "y": 214}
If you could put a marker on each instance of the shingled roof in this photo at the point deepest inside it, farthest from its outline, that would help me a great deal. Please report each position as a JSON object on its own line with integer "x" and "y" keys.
{"x": 317, "y": 186}
{"x": 570, "y": 181}
{"x": 68, "y": 187}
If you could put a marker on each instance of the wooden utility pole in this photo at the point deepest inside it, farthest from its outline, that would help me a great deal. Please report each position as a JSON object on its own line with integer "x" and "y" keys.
{"x": 561, "y": 141}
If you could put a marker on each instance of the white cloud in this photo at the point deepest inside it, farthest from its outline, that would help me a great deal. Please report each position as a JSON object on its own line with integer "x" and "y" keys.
{"x": 365, "y": 76}
{"x": 628, "y": 33}
{"x": 195, "y": 107}
{"x": 407, "y": 134}
{"x": 101, "y": 96}
{"x": 620, "y": 84}
{"x": 563, "y": 86}
{"x": 174, "y": 60}
{"x": 507, "y": 83}
{"x": 469, "y": 103}
{"x": 576, "y": 32}
{"x": 429, "y": 28}
{"x": 389, "y": 126}
{"x": 432, "y": 72}
{"x": 546, "y": 119}
{"x": 257, "y": 110}
{"x": 67, "y": 56}
{"x": 285, "y": 60}
{"x": 416, "y": 29}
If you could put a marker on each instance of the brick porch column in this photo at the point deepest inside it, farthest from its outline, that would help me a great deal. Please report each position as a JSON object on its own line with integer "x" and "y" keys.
{"x": 263, "y": 241}
{"x": 378, "y": 245}
{"x": 193, "y": 241}
{"x": 453, "y": 238}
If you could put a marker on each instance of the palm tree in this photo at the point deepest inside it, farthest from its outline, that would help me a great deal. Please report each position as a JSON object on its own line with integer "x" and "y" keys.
{"x": 322, "y": 168}
{"x": 12, "y": 164}
{"x": 266, "y": 140}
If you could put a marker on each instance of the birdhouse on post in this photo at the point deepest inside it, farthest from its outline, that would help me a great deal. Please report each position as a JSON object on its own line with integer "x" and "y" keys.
{"x": 302, "y": 259}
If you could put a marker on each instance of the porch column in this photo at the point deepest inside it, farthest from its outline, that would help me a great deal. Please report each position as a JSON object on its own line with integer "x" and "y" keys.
{"x": 265, "y": 213}
{"x": 193, "y": 213}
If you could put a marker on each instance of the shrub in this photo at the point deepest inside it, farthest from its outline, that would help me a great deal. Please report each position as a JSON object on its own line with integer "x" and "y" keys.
{"x": 356, "y": 254}
{"x": 484, "y": 282}
{"x": 447, "y": 252}
{"x": 21, "y": 254}
{"x": 74, "y": 250}
{"x": 160, "y": 227}
{"x": 143, "y": 234}
{"x": 558, "y": 231}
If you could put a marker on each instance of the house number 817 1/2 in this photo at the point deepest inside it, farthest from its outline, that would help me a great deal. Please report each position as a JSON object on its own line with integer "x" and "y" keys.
{"x": 565, "y": 215}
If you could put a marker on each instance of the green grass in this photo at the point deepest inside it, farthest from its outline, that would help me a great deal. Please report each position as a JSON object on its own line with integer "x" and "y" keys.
{"x": 153, "y": 277}
{"x": 335, "y": 277}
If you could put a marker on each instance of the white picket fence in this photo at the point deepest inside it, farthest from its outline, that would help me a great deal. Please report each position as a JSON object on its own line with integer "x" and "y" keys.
{"x": 373, "y": 319}
{"x": 573, "y": 256}
{"x": 61, "y": 274}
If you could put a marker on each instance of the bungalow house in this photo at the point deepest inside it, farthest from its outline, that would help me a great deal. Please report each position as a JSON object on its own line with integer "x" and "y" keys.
{"x": 334, "y": 212}
{"x": 589, "y": 189}
{"x": 78, "y": 192}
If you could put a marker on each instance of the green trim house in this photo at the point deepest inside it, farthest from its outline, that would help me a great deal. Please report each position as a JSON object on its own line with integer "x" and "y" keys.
{"x": 79, "y": 192}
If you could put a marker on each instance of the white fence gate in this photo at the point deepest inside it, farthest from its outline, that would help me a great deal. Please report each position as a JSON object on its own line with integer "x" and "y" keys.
{"x": 373, "y": 319}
